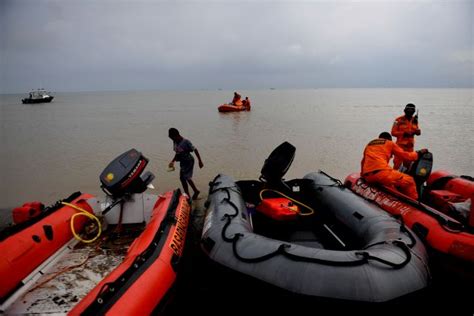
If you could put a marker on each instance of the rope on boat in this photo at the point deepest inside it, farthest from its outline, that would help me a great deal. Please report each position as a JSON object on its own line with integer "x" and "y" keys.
{"x": 87, "y": 214}
{"x": 404, "y": 229}
{"x": 282, "y": 249}
{"x": 337, "y": 183}
{"x": 311, "y": 211}
{"x": 227, "y": 189}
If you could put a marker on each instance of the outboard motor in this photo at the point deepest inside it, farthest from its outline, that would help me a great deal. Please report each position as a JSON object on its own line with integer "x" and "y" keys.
{"x": 277, "y": 164}
{"x": 124, "y": 176}
{"x": 420, "y": 170}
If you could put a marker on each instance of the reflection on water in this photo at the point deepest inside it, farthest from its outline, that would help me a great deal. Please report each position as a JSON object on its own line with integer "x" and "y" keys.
{"x": 50, "y": 150}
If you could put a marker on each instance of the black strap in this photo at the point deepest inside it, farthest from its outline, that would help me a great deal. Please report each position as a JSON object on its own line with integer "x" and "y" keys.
{"x": 337, "y": 181}
{"x": 282, "y": 248}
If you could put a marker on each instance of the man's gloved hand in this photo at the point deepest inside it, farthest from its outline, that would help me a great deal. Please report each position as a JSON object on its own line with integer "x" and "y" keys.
{"x": 422, "y": 151}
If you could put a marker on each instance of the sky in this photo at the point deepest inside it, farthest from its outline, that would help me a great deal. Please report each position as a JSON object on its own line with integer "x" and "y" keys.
{"x": 192, "y": 45}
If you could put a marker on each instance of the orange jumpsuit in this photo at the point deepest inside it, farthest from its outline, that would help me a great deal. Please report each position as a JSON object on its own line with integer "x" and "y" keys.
{"x": 404, "y": 125}
{"x": 246, "y": 103}
{"x": 237, "y": 99}
{"x": 375, "y": 167}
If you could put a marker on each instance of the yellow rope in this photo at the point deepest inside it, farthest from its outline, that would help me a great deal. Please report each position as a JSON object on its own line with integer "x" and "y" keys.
{"x": 83, "y": 213}
{"x": 311, "y": 211}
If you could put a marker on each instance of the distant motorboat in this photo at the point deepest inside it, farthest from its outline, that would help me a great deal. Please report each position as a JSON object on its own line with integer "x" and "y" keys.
{"x": 38, "y": 96}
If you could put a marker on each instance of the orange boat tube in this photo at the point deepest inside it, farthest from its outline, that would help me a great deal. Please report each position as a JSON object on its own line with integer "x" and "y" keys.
{"x": 444, "y": 180}
{"x": 440, "y": 231}
{"x": 232, "y": 108}
{"x": 25, "y": 246}
{"x": 140, "y": 282}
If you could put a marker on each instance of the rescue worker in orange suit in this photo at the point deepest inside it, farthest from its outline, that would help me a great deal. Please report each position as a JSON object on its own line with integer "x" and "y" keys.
{"x": 237, "y": 99}
{"x": 375, "y": 167}
{"x": 246, "y": 103}
{"x": 404, "y": 129}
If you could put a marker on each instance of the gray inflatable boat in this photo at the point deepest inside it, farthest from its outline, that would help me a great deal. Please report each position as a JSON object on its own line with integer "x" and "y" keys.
{"x": 336, "y": 246}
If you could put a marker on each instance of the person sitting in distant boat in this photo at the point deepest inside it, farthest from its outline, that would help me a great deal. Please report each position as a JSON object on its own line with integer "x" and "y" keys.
{"x": 237, "y": 99}
{"x": 375, "y": 167}
{"x": 246, "y": 103}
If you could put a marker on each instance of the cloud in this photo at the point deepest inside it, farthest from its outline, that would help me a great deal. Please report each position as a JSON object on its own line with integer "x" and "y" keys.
{"x": 150, "y": 44}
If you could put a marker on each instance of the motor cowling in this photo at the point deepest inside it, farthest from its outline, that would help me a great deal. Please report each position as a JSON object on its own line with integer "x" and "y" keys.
{"x": 420, "y": 170}
{"x": 277, "y": 164}
{"x": 125, "y": 175}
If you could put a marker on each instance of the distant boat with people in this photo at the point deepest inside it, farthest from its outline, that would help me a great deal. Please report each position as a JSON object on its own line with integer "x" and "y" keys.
{"x": 236, "y": 105}
{"x": 38, "y": 96}
{"x": 232, "y": 108}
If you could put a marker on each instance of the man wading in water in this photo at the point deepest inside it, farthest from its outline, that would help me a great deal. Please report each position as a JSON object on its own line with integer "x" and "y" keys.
{"x": 183, "y": 149}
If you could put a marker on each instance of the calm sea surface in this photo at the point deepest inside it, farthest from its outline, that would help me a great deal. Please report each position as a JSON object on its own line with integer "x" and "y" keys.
{"x": 51, "y": 150}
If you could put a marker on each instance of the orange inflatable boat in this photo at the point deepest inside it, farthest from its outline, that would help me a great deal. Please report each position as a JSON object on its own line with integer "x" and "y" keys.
{"x": 232, "y": 108}
{"x": 25, "y": 246}
{"x": 130, "y": 265}
{"x": 140, "y": 283}
{"x": 443, "y": 218}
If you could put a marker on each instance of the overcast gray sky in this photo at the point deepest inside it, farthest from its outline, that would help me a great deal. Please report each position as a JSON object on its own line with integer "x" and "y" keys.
{"x": 147, "y": 45}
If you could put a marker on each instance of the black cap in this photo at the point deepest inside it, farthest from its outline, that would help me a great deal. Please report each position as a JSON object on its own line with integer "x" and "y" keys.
{"x": 385, "y": 135}
{"x": 410, "y": 106}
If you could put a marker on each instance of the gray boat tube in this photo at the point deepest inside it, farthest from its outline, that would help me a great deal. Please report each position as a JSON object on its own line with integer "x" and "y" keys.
{"x": 390, "y": 263}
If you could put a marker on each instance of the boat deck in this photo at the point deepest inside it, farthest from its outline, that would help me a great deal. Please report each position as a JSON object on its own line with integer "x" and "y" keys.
{"x": 66, "y": 278}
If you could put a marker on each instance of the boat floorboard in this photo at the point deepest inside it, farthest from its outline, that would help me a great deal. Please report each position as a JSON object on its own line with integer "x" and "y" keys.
{"x": 66, "y": 281}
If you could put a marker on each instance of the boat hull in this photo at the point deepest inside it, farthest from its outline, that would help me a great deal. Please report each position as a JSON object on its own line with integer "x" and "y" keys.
{"x": 129, "y": 270}
{"x": 232, "y": 108}
{"x": 34, "y": 101}
{"x": 310, "y": 269}
{"x": 444, "y": 190}
{"x": 31, "y": 243}
{"x": 149, "y": 270}
{"x": 442, "y": 233}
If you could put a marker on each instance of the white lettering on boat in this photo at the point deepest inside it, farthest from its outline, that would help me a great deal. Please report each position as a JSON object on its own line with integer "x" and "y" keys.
{"x": 179, "y": 235}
